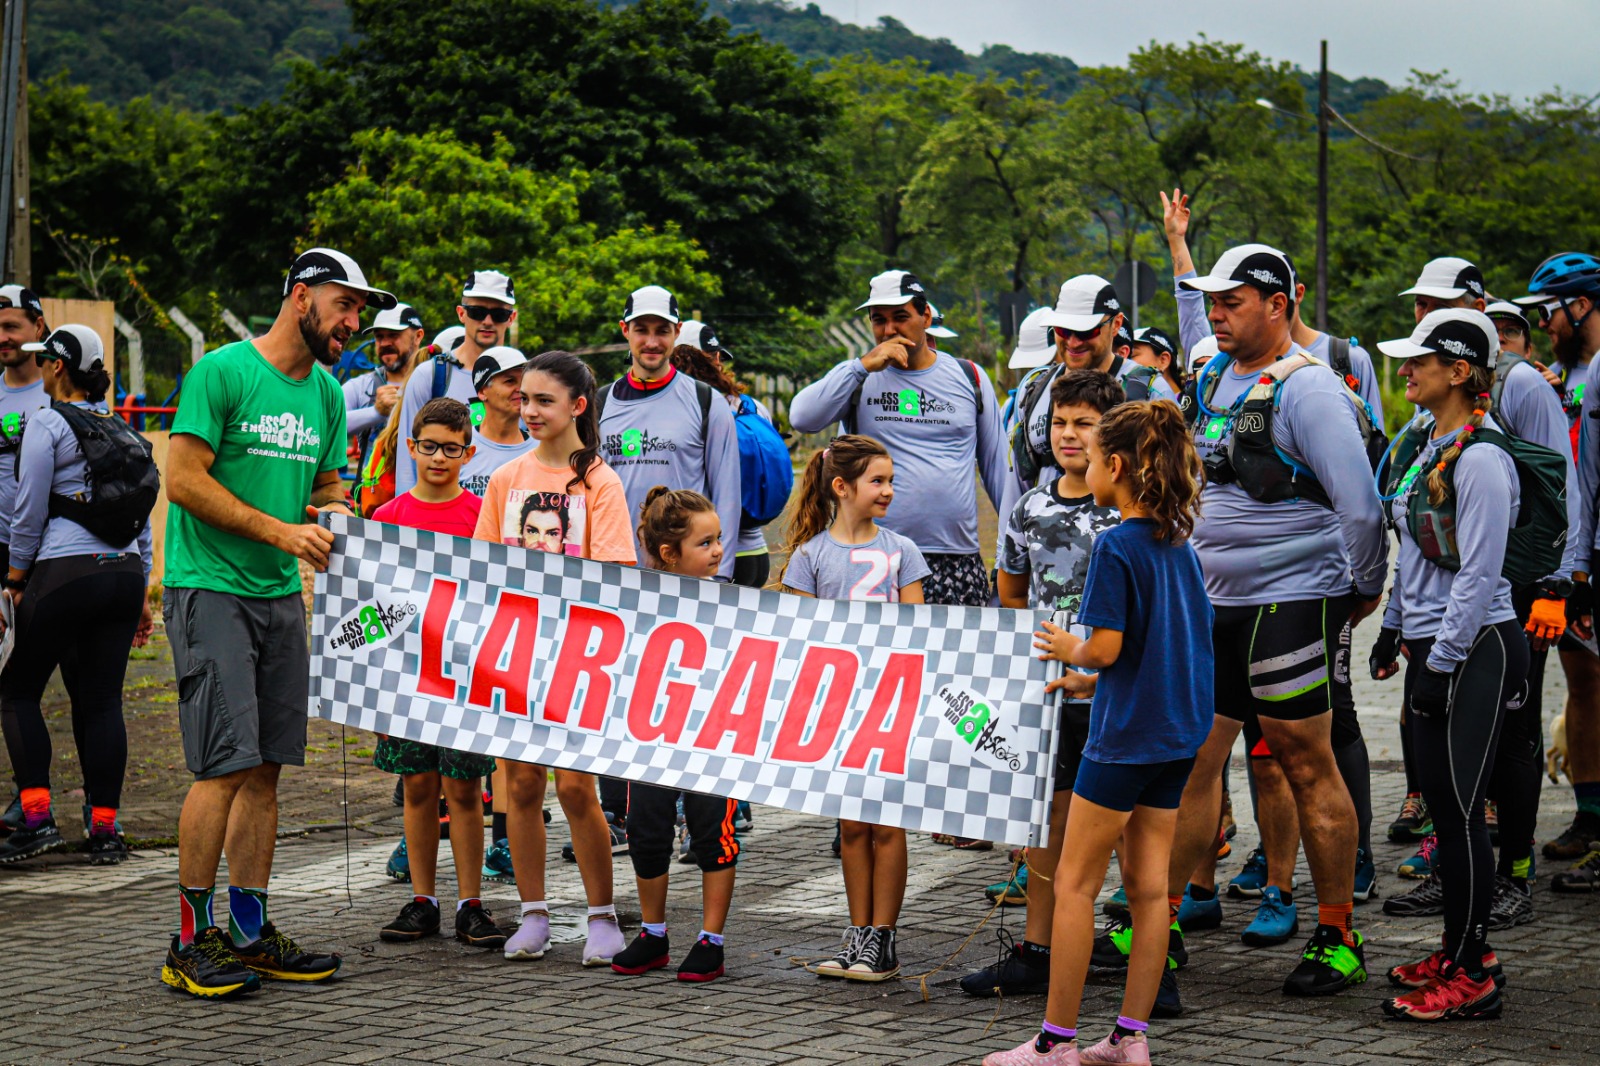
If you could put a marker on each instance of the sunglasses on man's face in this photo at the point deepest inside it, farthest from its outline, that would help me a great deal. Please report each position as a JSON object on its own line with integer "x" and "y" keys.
{"x": 500, "y": 315}
{"x": 1081, "y": 334}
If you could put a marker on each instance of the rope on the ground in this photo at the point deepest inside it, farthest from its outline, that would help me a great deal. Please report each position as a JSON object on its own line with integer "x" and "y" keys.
{"x": 999, "y": 902}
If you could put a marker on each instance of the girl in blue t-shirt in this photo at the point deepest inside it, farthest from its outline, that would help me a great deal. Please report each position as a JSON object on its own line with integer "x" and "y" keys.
{"x": 1146, "y": 603}
{"x": 837, "y": 551}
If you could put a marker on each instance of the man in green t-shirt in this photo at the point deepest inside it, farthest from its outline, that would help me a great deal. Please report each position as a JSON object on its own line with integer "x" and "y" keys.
{"x": 258, "y": 444}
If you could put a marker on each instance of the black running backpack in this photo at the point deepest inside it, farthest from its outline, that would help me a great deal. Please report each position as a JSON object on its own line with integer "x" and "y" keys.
{"x": 123, "y": 479}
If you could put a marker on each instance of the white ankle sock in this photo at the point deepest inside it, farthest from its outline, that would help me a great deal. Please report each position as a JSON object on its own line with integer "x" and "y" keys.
{"x": 529, "y": 908}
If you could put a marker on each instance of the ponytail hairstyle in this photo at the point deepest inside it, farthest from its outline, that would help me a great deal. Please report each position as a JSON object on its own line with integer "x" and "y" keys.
{"x": 664, "y": 519}
{"x": 815, "y": 504}
{"x": 698, "y": 365}
{"x": 575, "y": 374}
{"x": 93, "y": 383}
{"x": 1480, "y": 380}
{"x": 1153, "y": 440}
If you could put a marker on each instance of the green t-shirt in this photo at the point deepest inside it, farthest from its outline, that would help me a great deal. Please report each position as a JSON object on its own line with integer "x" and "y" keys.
{"x": 272, "y": 436}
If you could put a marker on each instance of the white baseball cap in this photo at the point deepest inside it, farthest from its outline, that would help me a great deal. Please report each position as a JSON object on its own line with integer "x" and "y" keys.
{"x": 494, "y": 361}
{"x": 698, "y": 334}
{"x": 449, "y": 338}
{"x": 1083, "y": 303}
{"x": 21, "y": 296}
{"x": 490, "y": 285}
{"x": 1507, "y": 309}
{"x": 651, "y": 300}
{"x": 320, "y": 266}
{"x": 939, "y": 329}
{"x": 1205, "y": 349}
{"x": 893, "y": 288}
{"x": 1258, "y": 265}
{"x": 1457, "y": 332}
{"x": 398, "y": 317}
{"x": 1448, "y": 278}
{"x": 77, "y": 346}
{"x": 1033, "y": 342}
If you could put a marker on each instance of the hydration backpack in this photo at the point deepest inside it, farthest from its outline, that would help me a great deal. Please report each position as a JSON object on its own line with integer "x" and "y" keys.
{"x": 123, "y": 479}
{"x": 1535, "y": 544}
{"x": 766, "y": 473}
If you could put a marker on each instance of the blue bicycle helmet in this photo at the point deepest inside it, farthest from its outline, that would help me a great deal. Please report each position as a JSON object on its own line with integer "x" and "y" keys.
{"x": 1563, "y": 274}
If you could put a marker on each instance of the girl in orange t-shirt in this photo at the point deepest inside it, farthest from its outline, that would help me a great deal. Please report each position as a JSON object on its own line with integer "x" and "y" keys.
{"x": 560, "y": 497}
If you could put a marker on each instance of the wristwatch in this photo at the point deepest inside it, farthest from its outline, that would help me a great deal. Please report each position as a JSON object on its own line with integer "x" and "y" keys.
{"x": 1559, "y": 589}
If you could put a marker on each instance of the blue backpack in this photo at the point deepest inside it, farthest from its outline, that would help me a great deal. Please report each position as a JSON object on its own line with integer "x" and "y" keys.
{"x": 766, "y": 474}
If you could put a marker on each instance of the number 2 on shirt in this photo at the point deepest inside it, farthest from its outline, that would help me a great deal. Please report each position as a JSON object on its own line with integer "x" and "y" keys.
{"x": 880, "y": 584}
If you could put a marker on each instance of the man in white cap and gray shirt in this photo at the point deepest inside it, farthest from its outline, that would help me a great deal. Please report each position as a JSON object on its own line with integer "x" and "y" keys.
{"x": 396, "y": 334}
{"x": 939, "y": 419}
{"x": 487, "y": 309}
{"x": 21, "y": 389}
{"x": 499, "y": 436}
{"x": 660, "y": 427}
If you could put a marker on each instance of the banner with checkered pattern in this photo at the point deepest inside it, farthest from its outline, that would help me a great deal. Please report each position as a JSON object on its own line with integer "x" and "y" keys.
{"x": 929, "y": 718}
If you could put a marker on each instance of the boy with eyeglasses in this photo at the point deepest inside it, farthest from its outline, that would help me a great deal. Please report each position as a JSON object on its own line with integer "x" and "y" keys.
{"x": 487, "y": 309}
{"x": 440, "y": 444}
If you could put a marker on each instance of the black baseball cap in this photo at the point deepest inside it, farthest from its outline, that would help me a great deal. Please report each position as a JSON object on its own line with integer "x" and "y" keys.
{"x": 398, "y": 317}
{"x": 319, "y": 266}
{"x": 1157, "y": 339}
{"x": 1260, "y": 266}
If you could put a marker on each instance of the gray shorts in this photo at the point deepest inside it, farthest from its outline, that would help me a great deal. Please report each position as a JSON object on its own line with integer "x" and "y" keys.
{"x": 243, "y": 679}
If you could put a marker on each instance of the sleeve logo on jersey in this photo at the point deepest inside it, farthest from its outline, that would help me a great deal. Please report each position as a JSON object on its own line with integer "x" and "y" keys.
{"x": 636, "y": 443}
{"x": 977, "y": 723}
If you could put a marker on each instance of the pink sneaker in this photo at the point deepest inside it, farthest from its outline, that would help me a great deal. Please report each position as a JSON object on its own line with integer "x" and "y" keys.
{"x": 1130, "y": 1049}
{"x": 1024, "y": 1054}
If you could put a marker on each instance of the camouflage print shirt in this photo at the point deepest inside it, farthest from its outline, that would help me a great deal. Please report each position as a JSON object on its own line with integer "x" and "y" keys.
{"x": 1049, "y": 539}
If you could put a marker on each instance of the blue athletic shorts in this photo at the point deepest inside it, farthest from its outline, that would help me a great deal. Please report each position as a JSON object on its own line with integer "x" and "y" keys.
{"x": 1124, "y": 786}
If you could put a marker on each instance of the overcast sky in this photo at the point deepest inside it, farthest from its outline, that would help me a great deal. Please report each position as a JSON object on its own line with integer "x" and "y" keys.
{"x": 1520, "y": 47}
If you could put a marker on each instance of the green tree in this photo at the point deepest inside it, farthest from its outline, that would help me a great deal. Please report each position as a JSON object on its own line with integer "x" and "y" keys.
{"x": 421, "y": 211}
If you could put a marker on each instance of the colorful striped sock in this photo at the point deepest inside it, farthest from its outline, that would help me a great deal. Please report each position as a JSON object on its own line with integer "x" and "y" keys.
{"x": 247, "y": 913}
{"x": 194, "y": 912}
{"x": 35, "y": 807}
{"x": 102, "y": 820}
{"x": 1051, "y": 1035}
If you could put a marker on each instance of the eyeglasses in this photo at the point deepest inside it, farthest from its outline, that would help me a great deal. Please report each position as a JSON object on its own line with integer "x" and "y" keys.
{"x": 500, "y": 315}
{"x": 1081, "y": 334}
{"x": 433, "y": 447}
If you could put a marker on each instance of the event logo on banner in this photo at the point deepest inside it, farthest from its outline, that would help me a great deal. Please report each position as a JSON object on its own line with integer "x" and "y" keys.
{"x": 929, "y": 718}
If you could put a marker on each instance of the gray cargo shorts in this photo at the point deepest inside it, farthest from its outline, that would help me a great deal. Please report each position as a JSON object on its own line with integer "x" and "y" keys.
{"x": 243, "y": 679}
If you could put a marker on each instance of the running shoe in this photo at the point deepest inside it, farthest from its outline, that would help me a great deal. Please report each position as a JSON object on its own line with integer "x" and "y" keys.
{"x": 743, "y": 821}
{"x": 1366, "y": 883}
{"x": 1512, "y": 905}
{"x": 497, "y": 863}
{"x": 1028, "y": 1054}
{"x": 1421, "y": 902}
{"x": 1414, "y": 822}
{"x": 1249, "y": 881}
{"x": 417, "y": 919}
{"x": 1168, "y": 1003}
{"x": 1426, "y": 971}
{"x": 1577, "y": 840}
{"x": 1275, "y": 922}
{"x": 12, "y": 819}
{"x": 877, "y": 961}
{"x": 849, "y": 950}
{"x": 1328, "y": 965}
{"x": 1491, "y": 818}
{"x": 274, "y": 954}
{"x": 1133, "y": 1050}
{"x": 476, "y": 927}
{"x": 619, "y": 835}
{"x": 702, "y": 964}
{"x": 532, "y": 938}
{"x": 88, "y": 819}
{"x": 1224, "y": 849}
{"x": 1196, "y": 915}
{"x": 1111, "y": 947}
{"x": 1453, "y": 997}
{"x": 603, "y": 941}
{"x": 1016, "y": 973}
{"x": 28, "y": 842}
{"x": 207, "y": 968}
{"x": 1011, "y": 892}
{"x": 1420, "y": 865}
{"x": 1116, "y": 907}
{"x": 1584, "y": 877}
{"x": 399, "y": 866}
{"x": 107, "y": 849}
{"x": 647, "y": 952}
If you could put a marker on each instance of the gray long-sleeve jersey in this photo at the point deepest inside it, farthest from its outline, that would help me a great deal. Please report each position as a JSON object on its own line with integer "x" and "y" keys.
{"x": 929, "y": 421}
{"x": 659, "y": 438}
{"x": 52, "y": 462}
{"x": 419, "y": 390}
{"x": 360, "y": 416}
{"x": 1256, "y": 553}
{"x": 1452, "y": 606}
{"x": 1588, "y": 463}
{"x": 17, "y": 406}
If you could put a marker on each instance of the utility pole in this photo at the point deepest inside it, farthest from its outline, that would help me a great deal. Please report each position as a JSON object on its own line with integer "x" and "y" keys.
{"x": 1322, "y": 193}
{"x": 21, "y": 202}
{"x": 14, "y": 245}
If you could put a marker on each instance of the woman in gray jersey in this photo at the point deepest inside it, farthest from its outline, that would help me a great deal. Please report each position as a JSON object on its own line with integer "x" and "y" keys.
{"x": 1451, "y": 606}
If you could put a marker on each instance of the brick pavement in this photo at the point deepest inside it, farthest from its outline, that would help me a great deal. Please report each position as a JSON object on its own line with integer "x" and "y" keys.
{"x": 85, "y": 946}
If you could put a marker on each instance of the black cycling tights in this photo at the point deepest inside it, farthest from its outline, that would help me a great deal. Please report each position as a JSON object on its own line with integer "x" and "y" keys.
{"x": 1455, "y": 757}
{"x": 80, "y": 613}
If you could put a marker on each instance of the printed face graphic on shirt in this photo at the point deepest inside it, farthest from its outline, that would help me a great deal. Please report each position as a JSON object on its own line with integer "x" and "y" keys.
{"x": 544, "y": 521}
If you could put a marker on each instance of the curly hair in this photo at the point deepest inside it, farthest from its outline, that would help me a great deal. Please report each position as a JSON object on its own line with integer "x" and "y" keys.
{"x": 698, "y": 365}
{"x": 1166, "y": 475}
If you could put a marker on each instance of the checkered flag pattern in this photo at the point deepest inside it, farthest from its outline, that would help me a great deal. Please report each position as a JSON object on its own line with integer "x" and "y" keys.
{"x": 978, "y": 757}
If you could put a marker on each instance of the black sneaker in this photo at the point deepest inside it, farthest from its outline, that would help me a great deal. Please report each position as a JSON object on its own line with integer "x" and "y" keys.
{"x": 207, "y": 968}
{"x": 703, "y": 963}
{"x": 1014, "y": 974}
{"x": 1512, "y": 904}
{"x": 26, "y": 843}
{"x": 1327, "y": 965}
{"x": 418, "y": 919}
{"x": 1424, "y": 900}
{"x": 1584, "y": 877}
{"x": 107, "y": 849}
{"x": 11, "y": 820}
{"x": 646, "y": 953}
{"x": 1578, "y": 840}
{"x": 1167, "y": 1004}
{"x": 1112, "y": 946}
{"x": 475, "y": 926}
{"x": 274, "y": 954}
{"x": 877, "y": 961}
